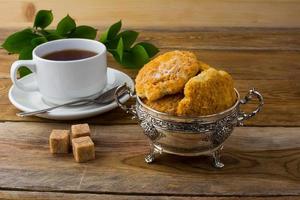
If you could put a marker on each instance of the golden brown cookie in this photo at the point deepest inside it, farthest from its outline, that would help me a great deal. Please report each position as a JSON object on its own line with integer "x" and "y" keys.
{"x": 203, "y": 65}
{"x": 210, "y": 92}
{"x": 168, "y": 104}
{"x": 166, "y": 74}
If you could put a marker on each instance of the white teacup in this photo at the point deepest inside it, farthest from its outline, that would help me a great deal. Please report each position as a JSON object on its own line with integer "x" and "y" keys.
{"x": 64, "y": 81}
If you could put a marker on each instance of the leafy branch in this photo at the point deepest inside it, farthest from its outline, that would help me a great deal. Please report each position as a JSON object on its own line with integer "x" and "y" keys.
{"x": 124, "y": 49}
{"x": 122, "y": 45}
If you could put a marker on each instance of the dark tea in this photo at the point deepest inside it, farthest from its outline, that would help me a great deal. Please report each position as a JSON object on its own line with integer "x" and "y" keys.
{"x": 69, "y": 54}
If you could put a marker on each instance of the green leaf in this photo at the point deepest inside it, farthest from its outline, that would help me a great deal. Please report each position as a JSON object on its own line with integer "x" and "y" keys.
{"x": 25, "y": 54}
{"x": 37, "y": 41}
{"x": 65, "y": 26}
{"x": 116, "y": 56}
{"x": 150, "y": 48}
{"x": 112, "y": 44}
{"x": 43, "y": 19}
{"x": 53, "y": 36}
{"x": 129, "y": 38}
{"x": 140, "y": 56}
{"x": 135, "y": 58}
{"x": 19, "y": 40}
{"x": 120, "y": 49}
{"x": 47, "y": 32}
{"x": 84, "y": 32}
{"x": 103, "y": 37}
{"x": 128, "y": 60}
{"x": 24, "y": 71}
{"x": 111, "y": 33}
{"x": 114, "y": 30}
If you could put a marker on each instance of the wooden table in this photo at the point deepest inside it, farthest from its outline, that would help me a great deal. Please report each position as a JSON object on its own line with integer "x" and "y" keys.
{"x": 262, "y": 160}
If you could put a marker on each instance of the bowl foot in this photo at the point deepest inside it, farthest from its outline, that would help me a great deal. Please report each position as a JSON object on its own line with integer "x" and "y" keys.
{"x": 157, "y": 149}
{"x": 216, "y": 155}
{"x": 154, "y": 150}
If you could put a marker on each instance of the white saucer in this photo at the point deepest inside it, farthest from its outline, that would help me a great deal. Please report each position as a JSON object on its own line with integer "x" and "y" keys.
{"x": 31, "y": 101}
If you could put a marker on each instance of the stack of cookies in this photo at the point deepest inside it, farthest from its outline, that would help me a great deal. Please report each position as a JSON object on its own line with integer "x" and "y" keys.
{"x": 179, "y": 84}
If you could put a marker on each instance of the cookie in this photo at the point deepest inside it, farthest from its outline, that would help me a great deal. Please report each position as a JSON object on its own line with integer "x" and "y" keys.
{"x": 210, "y": 92}
{"x": 203, "y": 66}
{"x": 166, "y": 74}
{"x": 168, "y": 104}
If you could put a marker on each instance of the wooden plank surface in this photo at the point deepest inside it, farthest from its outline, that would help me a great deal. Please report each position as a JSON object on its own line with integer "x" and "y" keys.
{"x": 160, "y": 14}
{"x": 16, "y": 195}
{"x": 256, "y": 41}
{"x": 258, "y": 162}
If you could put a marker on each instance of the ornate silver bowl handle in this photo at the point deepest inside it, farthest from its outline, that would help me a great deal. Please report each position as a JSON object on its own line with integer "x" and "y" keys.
{"x": 244, "y": 116}
{"x": 123, "y": 89}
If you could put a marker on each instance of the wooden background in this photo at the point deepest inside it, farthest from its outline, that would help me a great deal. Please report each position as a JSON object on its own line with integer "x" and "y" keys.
{"x": 159, "y": 14}
{"x": 257, "y": 41}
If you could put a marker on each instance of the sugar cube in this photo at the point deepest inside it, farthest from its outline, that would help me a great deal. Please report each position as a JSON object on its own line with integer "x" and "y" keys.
{"x": 83, "y": 149}
{"x": 59, "y": 141}
{"x": 80, "y": 130}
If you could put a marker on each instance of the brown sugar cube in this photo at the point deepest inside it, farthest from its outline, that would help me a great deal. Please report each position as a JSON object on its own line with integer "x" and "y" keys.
{"x": 59, "y": 141}
{"x": 80, "y": 130}
{"x": 83, "y": 149}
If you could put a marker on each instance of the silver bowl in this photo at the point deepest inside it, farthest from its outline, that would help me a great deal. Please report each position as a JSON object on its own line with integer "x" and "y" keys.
{"x": 188, "y": 136}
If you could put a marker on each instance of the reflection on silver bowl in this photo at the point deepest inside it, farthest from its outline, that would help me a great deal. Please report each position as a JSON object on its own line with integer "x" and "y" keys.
{"x": 188, "y": 136}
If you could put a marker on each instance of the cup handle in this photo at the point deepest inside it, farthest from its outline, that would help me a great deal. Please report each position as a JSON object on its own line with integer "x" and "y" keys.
{"x": 13, "y": 75}
{"x": 244, "y": 116}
